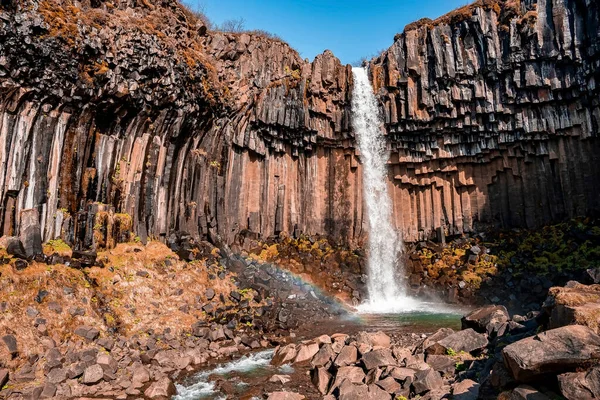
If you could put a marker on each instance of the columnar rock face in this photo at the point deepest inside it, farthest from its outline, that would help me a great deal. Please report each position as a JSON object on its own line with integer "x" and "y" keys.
{"x": 492, "y": 116}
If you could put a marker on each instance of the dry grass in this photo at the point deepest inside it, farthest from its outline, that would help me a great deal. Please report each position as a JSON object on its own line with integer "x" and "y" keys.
{"x": 115, "y": 299}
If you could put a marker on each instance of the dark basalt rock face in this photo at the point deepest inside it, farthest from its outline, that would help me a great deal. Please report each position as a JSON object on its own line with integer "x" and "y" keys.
{"x": 132, "y": 107}
{"x": 492, "y": 115}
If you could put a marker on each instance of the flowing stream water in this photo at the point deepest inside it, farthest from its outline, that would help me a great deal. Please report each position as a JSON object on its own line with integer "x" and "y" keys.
{"x": 385, "y": 284}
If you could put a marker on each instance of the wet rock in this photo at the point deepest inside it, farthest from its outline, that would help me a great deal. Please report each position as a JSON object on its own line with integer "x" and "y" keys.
{"x": 552, "y": 352}
{"x": 284, "y": 355}
{"x": 161, "y": 390}
{"x": 93, "y": 374}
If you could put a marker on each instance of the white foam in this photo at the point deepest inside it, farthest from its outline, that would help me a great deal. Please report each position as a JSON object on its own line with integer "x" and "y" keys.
{"x": 203, "y": 388}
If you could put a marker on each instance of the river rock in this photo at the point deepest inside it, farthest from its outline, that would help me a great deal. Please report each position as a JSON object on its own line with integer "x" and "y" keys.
{"x": 466, "y": 340}
{"x": 426, "y": 381}
{"x": 284, "y": 355}
{"x": 285, "y": 396}
{"x": 486, "y": 319}
{"x": 323, "y": 357}
{"x": 306, "y": 352}
{"x": 378, "y": 358}
{"x": 321, "y": 379}
{"x": 552, "y": 352}
{"x": 161, "y": 390}
{"x": 348, "y": 356}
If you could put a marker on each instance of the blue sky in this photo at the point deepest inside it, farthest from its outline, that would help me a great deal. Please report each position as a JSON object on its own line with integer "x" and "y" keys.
{"x": 352, "y": 29}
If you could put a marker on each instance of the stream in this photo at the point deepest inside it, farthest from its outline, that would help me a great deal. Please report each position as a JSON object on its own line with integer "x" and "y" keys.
{"x": 248, "y": 375}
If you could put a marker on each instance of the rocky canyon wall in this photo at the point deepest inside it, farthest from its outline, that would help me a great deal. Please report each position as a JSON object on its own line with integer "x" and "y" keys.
{"x": 130, "y": 116}
{"x": 492, "y": 115}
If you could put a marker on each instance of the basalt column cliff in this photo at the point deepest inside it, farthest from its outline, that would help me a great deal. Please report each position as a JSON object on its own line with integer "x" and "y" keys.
{"x": 493, "y": 115}
{"x": 129, "y": 116}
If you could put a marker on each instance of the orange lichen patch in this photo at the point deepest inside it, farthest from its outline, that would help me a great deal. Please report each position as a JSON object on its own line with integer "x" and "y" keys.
{"x": 149, "y": 287}
{"x": 65, "y": 286}
{"x": 57, "y": 247}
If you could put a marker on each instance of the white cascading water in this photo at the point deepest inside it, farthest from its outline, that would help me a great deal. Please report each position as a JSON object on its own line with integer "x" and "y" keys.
{"x": 385, "y": 287}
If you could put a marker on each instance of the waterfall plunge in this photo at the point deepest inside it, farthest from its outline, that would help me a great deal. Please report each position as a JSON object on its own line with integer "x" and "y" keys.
{"x": 386, "y": 290}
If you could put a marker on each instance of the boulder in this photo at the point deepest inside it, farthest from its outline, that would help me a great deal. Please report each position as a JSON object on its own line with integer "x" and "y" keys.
{"x": 434, "y": 338}
{"x": 323, "y": 357}
{"x": 524, "y": 392}
{"x": 486, "y": 319}
{"x": 87, "y": 332}
{"x": 580, "y": 385}
{"x": 465, "y": 390}
{"x": 348, "y": 356}
{"x": 574, "y": 304}
{"x": 283, "y": 379}
{"x": 306, "y": 352}
{"x": 321, "y": 379}
{"x": 466, "y": 340}
{"x": 31, "y": 233}
{"x": 285, "y": 396}
{"x": 389, "y": 384}
{"x": 3, "y": 377}
{"x": 442, "y": 364}
{"x": 349, "y": 391}
{"x": 11, "y": 344}
{"x": 162, "y": 389}
{"x": 13, "y": 246}
{"x": 552, "y": 352}
{"x": 93, "y": 374}
{"x": 426, "y": 381}
{"x": 284, "y": 355}
{"x": 374, "y": 339}
{"x": 349, "y": 373}
{"x": 379, "y": 358}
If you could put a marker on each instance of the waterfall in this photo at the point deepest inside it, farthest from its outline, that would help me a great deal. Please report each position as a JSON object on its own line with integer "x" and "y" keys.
{"x": 385, "y": 287}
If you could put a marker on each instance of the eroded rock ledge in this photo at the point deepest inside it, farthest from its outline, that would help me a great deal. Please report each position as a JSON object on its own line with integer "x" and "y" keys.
{"x": 133, "y": 108}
